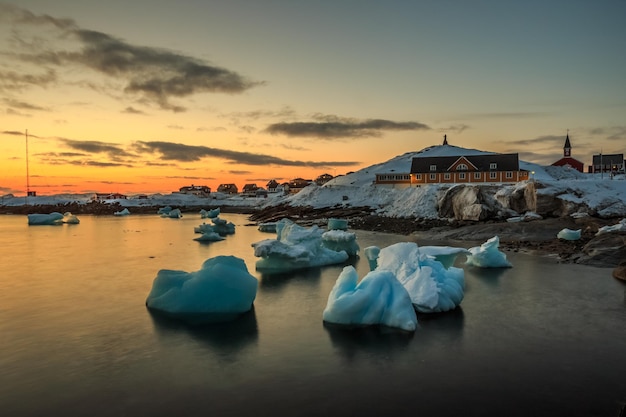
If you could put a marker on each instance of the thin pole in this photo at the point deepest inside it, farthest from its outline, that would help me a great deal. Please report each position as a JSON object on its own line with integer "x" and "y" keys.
{"x": 27, "y": 173}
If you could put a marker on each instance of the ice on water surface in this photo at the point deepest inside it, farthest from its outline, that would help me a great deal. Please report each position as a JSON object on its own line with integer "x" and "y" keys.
{"x": 295, "y": 247}
{"x": 49, "y": 219}
{"x": 124, "y": 212}
{"x": 378, "y": 298}
{"x": 221, "y": 290}
{"x": 431, "y": 286}
{"x": 209, "y": 213}
{"x": 488, "y": 255}
{"x": 70, "y": 218}
{"x": 339, "y": 240}
{"x": 569, "y": 234}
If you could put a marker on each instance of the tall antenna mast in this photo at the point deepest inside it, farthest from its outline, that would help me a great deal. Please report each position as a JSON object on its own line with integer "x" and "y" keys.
{"x": 27, "y": 173}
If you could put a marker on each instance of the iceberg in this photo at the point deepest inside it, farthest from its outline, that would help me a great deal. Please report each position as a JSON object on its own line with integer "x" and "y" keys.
{"x": 371, "y": 253}
{"x": 431, "y": 286}
{"x": 69, "y": 218}
{"x": 210, "y": 213}
{"x": 222, "y": 226}
{"x": 488, "y": 255}
{"x": 379, "y": 299}
{"x": 295, "y": 247}
{"x": 337, "y": 224}
{"x": 173, "y": 214}
{"x": 268, "y": 227}
{"x": 164, "y": 210}
{"x": 51, "y": 219}
{"x": 445, "y": 254}
{"x": 569, "y": 234}
{"x": 209, "y": 237}
{"x": 339, "y": 240}
{"x": 124, "y": 212}
{"x": 221, "y": 290}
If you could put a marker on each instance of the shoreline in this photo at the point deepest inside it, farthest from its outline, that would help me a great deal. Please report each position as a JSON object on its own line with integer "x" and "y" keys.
{"x": 535, "y": 237}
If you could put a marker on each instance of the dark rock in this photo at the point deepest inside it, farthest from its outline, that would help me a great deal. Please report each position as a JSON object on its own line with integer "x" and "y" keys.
{"x": 620, "y": 271}
{"x": 606, "y": 250}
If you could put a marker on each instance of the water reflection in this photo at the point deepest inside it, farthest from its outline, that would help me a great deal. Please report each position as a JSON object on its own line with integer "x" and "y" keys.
{"x": 226, "y": 337}
{"x": 448, "y": 325}
{"x": 490, "y": 276}
{"x": 272, "y": 281}
{"x": 379, "y": 341}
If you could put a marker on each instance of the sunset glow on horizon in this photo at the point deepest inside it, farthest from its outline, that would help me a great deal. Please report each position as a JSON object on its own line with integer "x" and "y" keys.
{"x": 115, "y": 99}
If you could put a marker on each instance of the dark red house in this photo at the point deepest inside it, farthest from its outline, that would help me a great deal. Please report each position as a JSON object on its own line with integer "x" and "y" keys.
{"x": 567, "y": 159}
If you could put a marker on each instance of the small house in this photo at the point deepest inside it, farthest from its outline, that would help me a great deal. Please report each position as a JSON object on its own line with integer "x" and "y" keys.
{"x": 228, "y": 189}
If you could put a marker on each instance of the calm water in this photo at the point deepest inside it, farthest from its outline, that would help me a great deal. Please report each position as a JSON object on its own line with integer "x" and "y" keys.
{"x": 540, "y": 339}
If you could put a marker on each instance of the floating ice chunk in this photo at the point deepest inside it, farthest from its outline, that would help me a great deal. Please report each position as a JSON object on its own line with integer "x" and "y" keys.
{"x": 210, "y": 213}
{"x": 378, "y": 299}
{"x": 222, "y": 226}
{"x": 124, "y": 212}
{"x": 50, "y": 219}
{"x": 488, "y": 255}
{"x": 164, "y": 210}
{"x": 221, "y": 290}
{"x": 371, "y": 253}
{"x": 69, "y": 218}
{"x": 337, "y": 224}
{"x": 445, "y": 254}
{"x": 569, "y": 234}
{"x": 619, "y": 227}
{"x": 209, "y": 237}
{"x": 173, "y": 214}
{"x": 295, "y": 247}
{"x": 339, "y": 240}
{"x": 269, "y": 227}
{"x": 431, "y": 286}
{"x": 204, "y": 228}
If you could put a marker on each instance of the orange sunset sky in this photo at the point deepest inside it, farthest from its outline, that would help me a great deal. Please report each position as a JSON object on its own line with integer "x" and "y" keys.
{"x": 149, "y": 96}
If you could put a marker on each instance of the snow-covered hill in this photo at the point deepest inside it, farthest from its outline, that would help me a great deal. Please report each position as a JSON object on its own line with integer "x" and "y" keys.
{"x": 574, "y": 191}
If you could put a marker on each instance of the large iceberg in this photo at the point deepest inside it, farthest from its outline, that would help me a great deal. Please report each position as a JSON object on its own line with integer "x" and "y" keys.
{"x": 431, "y": 286}
{"x": 488, "y": 255}
{"x": 378, "y": 299}
{"x": 50, "y": 219}
{"x": 220, "y": 291}
{"x": 295, "y": 247}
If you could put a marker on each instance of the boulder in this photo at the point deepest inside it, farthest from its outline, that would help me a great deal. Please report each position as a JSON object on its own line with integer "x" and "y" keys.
{"x": 620, "y": 271}
{"x": 466, "y": 202}
{"x": 605, "y": 250}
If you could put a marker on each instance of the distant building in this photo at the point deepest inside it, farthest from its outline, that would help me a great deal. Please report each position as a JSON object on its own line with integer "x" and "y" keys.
{"x": 611, "y": 163}
{"x": 228, "y": 189}
{"x": 249, "y": 190}
{"x": 197, "y": 190}
{"x": 323, "y": 179}
{"x": 297, "y": 184}
{"x": 272, "y": 186}
{"x": 567, "y": 160}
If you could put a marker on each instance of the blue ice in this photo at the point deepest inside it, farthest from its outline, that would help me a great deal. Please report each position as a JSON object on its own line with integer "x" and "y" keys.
{"x": 50, "y": 219}
{"x": 488, "y": 255}
{"x": 220, "y": 291}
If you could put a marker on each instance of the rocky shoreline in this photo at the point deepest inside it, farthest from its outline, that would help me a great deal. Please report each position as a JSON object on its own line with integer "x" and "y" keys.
{"x": 537, "y": 236}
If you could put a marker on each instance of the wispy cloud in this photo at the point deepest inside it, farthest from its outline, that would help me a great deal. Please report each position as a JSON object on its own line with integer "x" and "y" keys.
{"x": 18, "y": 133}
{"x": 187, "y": 153}
{"x": 90, "y": 146}
{"x": 334, "y": 127}
{"x": 156, "y": 75}
{"x": 22, "y": 105}
{"x": 132, "y": 110}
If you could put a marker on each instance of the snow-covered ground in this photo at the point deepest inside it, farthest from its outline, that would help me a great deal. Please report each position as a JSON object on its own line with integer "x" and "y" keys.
{"x": 357, "y": 189}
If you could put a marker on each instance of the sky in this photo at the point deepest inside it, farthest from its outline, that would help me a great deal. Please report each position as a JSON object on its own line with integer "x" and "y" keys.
{"x": 149, "y": 96}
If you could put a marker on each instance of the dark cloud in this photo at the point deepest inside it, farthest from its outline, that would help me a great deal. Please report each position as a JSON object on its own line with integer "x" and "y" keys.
{"x": 99, "y": 164}
{"x": 507, "y": 115}
{"x": 18, "y": 133}
{"x": 333, "y": 127}
{"x": 456, "y": 128}
{"x": 239, "y": 172}
{"x": 112, "y": 149}
{"x": 23, "y": 105}
{"x": 132, "y": 110}
{"x": 155, "y": 74}
{"x": 617, "y": 133}
{"x": 549, "y": 141}
{"x": 10, "y": 80}
{"x": 185, "y": 153}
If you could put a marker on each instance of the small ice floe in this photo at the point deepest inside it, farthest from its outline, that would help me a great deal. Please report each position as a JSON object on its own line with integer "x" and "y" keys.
{"x": 337, "y": 224}
{"x": 488, "y": 255}
{"x": 619, "y": 227}
{"x": 69, "y": 218}
{"x": 569, "y": 234}
{"x": 209, "y": 237}
{"x": 221, "y": 290}
{"x": 50, "y": 219}
{"x": 223, "y": 227}
{"x": 210, "y": 214}
{"x": 379, "y": 299}
{"x": 164, "y": 210}
{"x": 173, "y": 214}
{"x": 340, "y": 240}
{"x": 268, "y": 227}
{"x": 431, "y": 286}
{"x": 295, "y": 247}
{"x": 124, "y": 212}
{"x": 526, "y": 217}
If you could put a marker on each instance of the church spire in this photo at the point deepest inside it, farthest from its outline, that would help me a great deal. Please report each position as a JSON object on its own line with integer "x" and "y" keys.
{"x": 567, "y": 148}
{"x": 445, "y": 139}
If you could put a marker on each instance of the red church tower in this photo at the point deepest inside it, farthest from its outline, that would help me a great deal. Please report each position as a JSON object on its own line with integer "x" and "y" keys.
{"x": 567, "y": 159}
